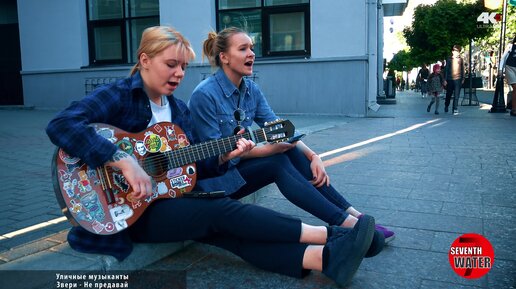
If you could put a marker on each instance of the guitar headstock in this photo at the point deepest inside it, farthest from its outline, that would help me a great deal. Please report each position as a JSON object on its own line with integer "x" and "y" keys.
{"x": 278, "y": 131}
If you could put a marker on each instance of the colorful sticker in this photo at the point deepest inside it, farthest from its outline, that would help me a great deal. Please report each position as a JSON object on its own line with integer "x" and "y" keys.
{"x": 140, "y": 148}
{"x": 171, "y": 133}
{"x": 180, "y": 182}
{"x": 120, "y": 182}
{"x": 92, "y": 203}
{"x": 152, "y": 142}
{"x": 126, "y": 146}
{"x": 109, "y": 227}
{"x": 72, "y": 167}
{"x": 97, "y": 226}
{"x": 64, "y": 175}
{"x": 120, "y": 225}
{"x": 164, "y": 145}
{"x": 151, "y": 197}
{"x": 107, "y": 133}
{"x": 158, "y": 128}
{"x": 182, "y": 141}
{"x": 190, "y": 170}
{"x": 119, "y": 201}
{"x": 174, "y": 172}
{"x": 69, "y": 187}
{"x": 84, "y": 182}
{"x": 66, "y": 158}
{"x": 76, "y": 207}
{"x": 120, "y": 213}
{"x": 135, "y": 203}
{"x": 162, "y": 188}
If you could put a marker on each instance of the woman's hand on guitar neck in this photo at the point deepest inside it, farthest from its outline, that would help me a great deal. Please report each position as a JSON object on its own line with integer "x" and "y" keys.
{"x": 134, "y": 174}
{"x": 243, "y": 147}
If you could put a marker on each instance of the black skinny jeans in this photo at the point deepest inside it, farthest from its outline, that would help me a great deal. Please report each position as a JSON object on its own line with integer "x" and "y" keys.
{"x": 256, "y": 234}
{"x": 291, "y": 172}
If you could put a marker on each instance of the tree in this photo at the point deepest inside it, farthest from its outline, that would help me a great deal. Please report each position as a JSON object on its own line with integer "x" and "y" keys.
{"x": 402, "y": 61}
{"x": 436, "y": 28}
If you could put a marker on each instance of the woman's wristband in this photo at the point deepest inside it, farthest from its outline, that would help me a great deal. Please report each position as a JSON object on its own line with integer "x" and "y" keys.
{"x": 311, "y": 158}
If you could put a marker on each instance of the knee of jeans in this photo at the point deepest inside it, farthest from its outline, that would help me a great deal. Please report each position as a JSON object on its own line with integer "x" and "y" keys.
{"x": 278, "y": 159}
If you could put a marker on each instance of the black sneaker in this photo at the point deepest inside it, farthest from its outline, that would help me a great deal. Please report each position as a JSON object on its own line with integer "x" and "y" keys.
{"x": 436, "y": 112}
{"x": 344, "y": 252}
{"x": 428, "y": 108}
{"x": 376, "y": 245}
{"x": 446, "y": 109}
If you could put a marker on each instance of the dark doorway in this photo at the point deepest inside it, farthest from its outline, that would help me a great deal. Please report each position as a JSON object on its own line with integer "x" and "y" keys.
{"x": 11, "y": 91}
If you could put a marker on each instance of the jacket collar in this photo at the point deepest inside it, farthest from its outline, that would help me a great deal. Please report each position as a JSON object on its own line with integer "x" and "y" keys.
{"x": 227, "y": 86}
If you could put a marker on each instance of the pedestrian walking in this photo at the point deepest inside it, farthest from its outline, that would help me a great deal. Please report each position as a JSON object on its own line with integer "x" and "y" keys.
{"x": 435, "y": 87}
{"x": 454, "y": 78}
{"x": 508, "y": 65}
{"x": 422, "y": 76}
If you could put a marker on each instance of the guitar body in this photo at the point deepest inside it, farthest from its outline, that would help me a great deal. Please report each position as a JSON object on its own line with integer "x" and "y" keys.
{"x": 99, "y": 199}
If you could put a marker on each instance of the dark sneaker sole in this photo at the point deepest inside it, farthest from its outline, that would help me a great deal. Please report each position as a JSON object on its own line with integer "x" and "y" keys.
{"x": 361, "y": 245}
{"x": 376, "y": 245}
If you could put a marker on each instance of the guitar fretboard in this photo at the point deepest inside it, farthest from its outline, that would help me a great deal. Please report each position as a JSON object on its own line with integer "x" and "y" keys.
{"x": 194, "y": 153}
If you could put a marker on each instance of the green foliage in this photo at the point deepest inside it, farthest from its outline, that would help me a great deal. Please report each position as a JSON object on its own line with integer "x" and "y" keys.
{"x": 436, "y": 28}
{"x": 402, "y": 61}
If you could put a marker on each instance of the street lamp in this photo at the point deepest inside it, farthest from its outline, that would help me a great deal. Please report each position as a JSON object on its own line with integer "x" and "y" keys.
{"x": 498, "y": 99}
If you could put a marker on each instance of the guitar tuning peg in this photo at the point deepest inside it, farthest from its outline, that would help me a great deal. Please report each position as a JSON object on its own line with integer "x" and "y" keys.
{"x": 273, "y": 121}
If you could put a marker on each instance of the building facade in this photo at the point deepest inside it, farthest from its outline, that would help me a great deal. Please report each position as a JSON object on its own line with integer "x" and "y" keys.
{"x": 313, "y": 56}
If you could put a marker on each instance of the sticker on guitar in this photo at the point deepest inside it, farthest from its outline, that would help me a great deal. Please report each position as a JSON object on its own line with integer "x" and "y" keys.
{"x": 100, "y": 199}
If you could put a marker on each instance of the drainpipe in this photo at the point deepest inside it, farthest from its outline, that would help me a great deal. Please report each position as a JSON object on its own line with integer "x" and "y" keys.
{"x": 381, "y": 92}
{"x": 372, "y": 65}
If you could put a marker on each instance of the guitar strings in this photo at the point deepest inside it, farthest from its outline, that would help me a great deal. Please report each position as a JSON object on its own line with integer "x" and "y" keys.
{"x": 186, "y": 155}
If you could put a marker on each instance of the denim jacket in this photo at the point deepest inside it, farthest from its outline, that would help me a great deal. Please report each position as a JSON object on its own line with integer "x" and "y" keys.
{"x": 212, "y": 107}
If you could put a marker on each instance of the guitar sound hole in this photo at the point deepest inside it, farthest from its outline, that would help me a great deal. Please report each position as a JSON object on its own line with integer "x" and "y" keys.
{"x": 155, "y": 164}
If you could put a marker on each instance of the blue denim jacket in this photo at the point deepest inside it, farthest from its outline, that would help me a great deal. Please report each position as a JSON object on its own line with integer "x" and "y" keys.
{"x": 212, "y": 108}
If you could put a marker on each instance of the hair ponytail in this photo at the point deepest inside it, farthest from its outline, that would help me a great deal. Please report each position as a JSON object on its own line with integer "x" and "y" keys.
{"x": 208, "y": 48}
{"x": 217, "y": 43}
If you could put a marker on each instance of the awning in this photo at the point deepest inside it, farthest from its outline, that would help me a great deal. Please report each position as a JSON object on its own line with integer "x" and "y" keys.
{"x": 394, "y": 7}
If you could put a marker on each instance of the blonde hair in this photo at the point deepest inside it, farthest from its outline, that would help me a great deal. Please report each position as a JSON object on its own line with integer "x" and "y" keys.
{"x": 158, "y": 38}
{"x": 217, "y": 43}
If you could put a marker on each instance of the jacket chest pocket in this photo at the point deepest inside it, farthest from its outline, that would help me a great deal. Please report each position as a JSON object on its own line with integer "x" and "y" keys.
{"x": 227, "y": 123}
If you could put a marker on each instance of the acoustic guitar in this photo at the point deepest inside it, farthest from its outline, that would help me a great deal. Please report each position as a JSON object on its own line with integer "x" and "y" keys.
{"x": 99, "y": 199}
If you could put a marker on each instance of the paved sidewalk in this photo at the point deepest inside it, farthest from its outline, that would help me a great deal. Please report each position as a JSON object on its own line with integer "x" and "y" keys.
{"x": 430, "y": 178}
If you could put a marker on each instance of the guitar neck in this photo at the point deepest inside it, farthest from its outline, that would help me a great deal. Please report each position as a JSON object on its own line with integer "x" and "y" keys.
{"x": 197, "y": 152}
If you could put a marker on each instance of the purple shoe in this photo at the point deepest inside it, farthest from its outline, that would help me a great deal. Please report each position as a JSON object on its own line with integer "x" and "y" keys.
{"x": 388, "y": 234}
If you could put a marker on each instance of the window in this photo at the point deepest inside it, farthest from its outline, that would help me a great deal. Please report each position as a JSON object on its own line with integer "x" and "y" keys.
{"x": 277, "y": 27}
{"x": 115, "y": 28}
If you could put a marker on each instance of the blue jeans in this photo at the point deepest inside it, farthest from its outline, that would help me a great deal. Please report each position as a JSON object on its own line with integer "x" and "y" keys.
{"x": 291, "y": 172}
